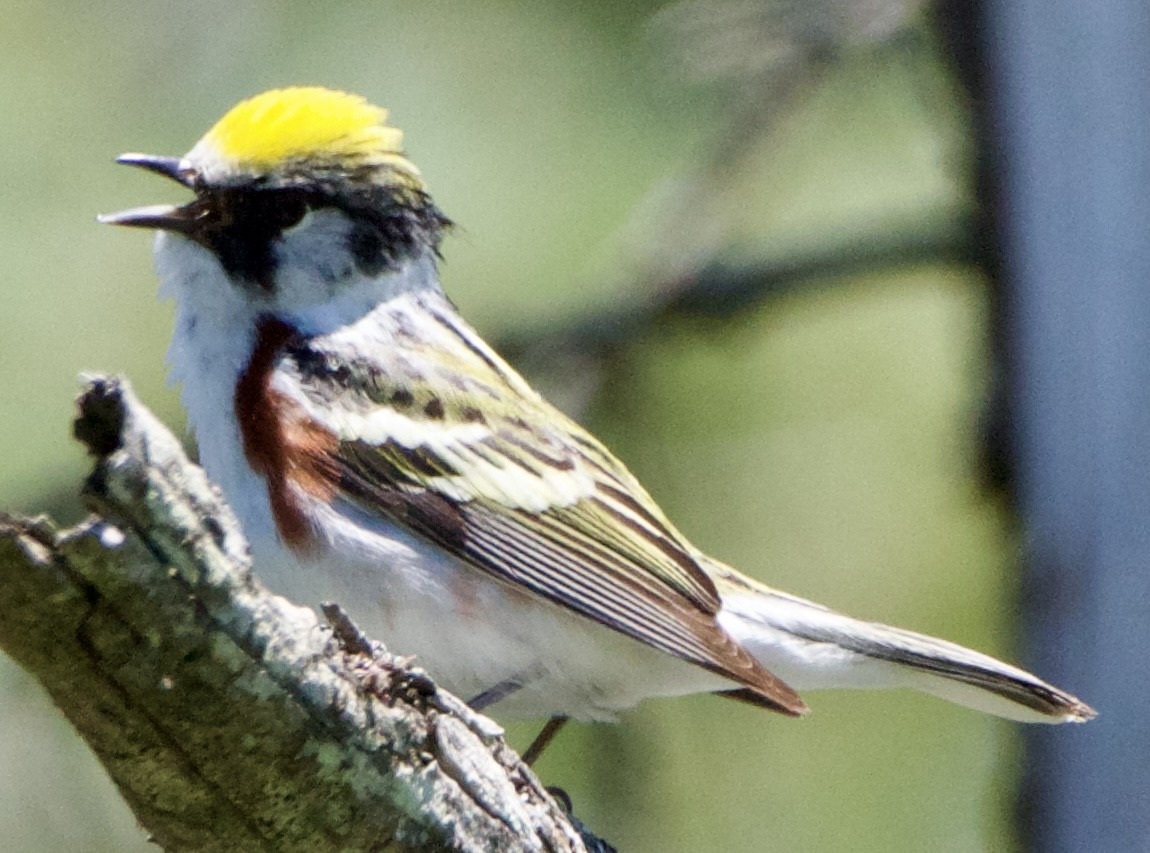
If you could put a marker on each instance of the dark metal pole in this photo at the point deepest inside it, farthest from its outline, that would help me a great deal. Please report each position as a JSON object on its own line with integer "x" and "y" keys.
{"x": 1071, "y": 89}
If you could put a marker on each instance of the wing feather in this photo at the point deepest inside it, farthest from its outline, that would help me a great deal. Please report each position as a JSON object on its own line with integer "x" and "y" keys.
{"x": 464, "y": 453}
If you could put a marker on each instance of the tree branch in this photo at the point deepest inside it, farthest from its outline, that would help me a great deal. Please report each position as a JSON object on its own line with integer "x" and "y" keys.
{"x": 569, "y": 356}
{"x": 229, "y": 718}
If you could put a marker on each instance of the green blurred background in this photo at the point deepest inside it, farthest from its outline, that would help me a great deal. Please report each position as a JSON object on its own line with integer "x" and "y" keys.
{"x": 823, "y": 441}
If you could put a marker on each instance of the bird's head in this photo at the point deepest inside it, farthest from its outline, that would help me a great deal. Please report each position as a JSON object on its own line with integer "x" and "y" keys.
{"x": 298, "y": 191}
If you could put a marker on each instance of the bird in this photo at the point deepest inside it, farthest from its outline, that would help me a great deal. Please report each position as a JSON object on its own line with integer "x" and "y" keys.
{"x": 380, "y": 454}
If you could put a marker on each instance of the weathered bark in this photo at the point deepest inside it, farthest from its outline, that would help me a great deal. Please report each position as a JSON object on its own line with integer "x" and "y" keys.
{"x": 229, "y": 718}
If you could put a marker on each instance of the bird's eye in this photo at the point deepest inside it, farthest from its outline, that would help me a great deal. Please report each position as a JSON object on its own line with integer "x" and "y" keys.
{"x": 288, "y": 208}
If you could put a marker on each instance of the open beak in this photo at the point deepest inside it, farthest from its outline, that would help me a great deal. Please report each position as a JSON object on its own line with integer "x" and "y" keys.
{"x": 167, "y": 217}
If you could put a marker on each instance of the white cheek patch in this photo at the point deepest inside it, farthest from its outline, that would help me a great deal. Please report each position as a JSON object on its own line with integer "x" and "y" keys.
{"x": 321, "y": 292}
{"x": 313, "y": 261}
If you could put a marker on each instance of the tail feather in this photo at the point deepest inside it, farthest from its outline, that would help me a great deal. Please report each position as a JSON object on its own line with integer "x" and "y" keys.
{"x": 811, "y": 647}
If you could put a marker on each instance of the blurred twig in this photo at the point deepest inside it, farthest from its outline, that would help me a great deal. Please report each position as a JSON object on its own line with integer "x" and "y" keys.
{"x": 229, "y": 719}
{"x": 759, "y": 58}
{"x": 722, "y": 289}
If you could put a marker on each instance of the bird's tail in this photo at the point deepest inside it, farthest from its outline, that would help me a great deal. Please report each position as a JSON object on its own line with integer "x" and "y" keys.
{"x": 811, "y": 647}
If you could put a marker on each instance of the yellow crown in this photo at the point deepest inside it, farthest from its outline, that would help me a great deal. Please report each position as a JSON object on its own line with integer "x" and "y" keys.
{"x": 304, "y": 124}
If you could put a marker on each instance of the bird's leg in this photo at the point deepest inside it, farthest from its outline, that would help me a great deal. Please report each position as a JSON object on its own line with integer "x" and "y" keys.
{"x": 545, "y": 736}
{"x": 501, "y": 691}
{"x": 495, "y": 693}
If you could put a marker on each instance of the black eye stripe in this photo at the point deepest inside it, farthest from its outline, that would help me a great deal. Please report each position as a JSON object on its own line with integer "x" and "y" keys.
{"x": 241, "y": 225}
{"x": 266, "y": 210}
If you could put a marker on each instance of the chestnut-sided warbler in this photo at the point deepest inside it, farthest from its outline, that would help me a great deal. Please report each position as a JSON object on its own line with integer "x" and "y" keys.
{"x": 381, "y": 455}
